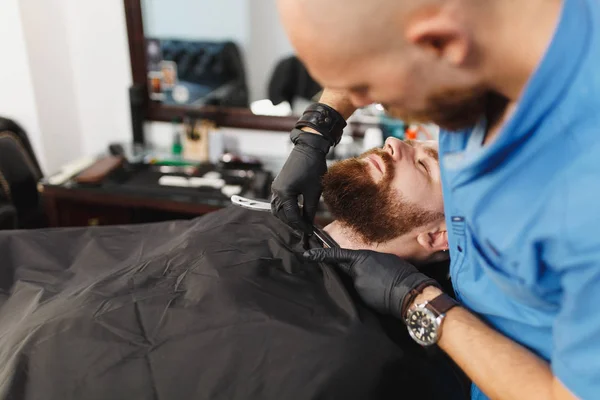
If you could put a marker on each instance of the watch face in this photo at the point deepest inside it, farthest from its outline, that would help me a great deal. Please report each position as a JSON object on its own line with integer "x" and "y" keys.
{"x": 423, "y": 326}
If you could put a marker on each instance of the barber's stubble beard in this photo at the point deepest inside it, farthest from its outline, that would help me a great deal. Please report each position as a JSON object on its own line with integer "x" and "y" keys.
{"x": 373, "y": 210}
{"x": 454, "y": 109}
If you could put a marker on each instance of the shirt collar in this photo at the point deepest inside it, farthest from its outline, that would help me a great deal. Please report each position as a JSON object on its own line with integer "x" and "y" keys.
{"x": 547, "y": 85}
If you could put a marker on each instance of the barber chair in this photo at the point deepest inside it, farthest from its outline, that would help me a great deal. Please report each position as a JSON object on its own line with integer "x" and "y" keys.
{"x": 212, "y": 71}
{"x": 20, "y": 203}
{"x": 291, "y": 81}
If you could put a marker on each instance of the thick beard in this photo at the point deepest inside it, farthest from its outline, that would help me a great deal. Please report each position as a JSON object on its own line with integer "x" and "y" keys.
{"x": 452, "y": 109}
{"x": 374, "y": 211}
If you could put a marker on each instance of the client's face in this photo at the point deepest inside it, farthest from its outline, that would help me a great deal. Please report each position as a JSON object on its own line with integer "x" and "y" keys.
{"x": 386, "y": 193}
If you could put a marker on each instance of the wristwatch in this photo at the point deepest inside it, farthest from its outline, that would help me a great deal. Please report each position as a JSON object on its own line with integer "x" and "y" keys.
{"x": 424, "y": 321}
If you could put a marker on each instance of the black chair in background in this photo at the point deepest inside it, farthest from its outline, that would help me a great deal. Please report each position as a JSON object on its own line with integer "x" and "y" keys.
{"x": 20, "y": 202}
{"x": 213, "y": 71}
{"x": 290, "y": 80}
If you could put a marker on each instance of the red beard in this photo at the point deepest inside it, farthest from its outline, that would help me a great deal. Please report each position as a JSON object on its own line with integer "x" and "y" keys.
{"x": 375, "y": 211}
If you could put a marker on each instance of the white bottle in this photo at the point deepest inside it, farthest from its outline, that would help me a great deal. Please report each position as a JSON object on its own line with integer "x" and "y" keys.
{"x": 373, "y": 138}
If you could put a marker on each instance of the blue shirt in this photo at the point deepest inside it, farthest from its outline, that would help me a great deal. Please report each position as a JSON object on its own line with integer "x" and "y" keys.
{"x": 524, "y": 211}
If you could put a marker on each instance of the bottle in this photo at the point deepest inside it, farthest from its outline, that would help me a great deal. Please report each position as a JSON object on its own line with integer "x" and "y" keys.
{"x": 412, "y": 132}
{"x": 177, "y": 147}
{"x": 373, "y": 139}
{"x": 196, "y": 145}
{"x": 216, "y": 146}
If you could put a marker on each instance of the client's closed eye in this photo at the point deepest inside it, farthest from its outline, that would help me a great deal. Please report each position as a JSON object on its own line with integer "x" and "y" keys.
{"x": 425, "y": 167}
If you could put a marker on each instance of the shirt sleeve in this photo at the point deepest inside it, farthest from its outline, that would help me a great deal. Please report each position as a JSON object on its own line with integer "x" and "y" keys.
{"x": 576, "y": 330}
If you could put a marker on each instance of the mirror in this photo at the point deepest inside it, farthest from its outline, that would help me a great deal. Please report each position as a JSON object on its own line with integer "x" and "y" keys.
{"x": 226, "y": 53}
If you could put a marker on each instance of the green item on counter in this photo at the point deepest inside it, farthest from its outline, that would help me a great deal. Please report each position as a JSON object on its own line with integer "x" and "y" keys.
{"x": 177, "y": 146}
{"x": 173, "y": 163}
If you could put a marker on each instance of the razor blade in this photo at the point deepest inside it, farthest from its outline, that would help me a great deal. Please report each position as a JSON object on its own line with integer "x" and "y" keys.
{"x": 264, "y": 206}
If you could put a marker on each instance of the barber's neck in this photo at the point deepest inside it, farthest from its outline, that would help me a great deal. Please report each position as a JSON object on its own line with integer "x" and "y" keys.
{"x": 497, "y": 31}
{"x": 404, "y": 246}
{"x": 532, "y": 25}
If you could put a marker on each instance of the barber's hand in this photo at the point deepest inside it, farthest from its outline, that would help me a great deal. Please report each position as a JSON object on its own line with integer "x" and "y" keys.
{"x": 301, "y": 175}
{"x": 385, "y": 282}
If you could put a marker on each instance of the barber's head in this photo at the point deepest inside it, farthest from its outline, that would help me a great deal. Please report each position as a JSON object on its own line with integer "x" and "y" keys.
{"x": 390, "y": 199}
{"x": 419, "y": 58}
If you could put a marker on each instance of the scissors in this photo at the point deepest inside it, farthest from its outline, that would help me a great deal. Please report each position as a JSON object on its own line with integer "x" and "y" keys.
{"x": 265, "y": 206}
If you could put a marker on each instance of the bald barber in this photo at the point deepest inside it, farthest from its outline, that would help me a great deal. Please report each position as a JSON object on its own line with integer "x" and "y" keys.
{"x": 515, "y": 86}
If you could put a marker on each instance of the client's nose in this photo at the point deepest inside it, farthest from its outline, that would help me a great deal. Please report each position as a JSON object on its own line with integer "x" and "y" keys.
{"x": 393, "y": 147}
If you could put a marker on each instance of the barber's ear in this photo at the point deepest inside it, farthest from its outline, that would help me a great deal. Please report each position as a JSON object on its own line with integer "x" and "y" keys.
{"x": 433, "y": 241}
{"x": 436, "y": 31}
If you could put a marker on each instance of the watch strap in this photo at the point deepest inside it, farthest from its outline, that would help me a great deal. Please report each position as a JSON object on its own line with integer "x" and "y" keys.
{"x": 442, "y": 304}
{"x": 418, "y": 282}
{"x": 325, "y": 120}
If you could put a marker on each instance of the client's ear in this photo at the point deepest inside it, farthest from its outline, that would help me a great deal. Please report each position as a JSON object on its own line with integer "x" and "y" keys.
{"x": 434, "y": 241}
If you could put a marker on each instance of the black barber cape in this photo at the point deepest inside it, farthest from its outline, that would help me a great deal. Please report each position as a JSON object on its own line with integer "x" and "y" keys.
{"x": 220, "y": 307}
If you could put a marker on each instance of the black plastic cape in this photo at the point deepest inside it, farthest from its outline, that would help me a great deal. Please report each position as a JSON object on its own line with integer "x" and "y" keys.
{"x": 220, "y": 307}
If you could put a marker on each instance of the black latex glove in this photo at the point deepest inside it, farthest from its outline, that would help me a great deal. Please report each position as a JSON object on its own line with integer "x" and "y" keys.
{"x": 385, "y": 282}
{"x": 301, "y": 175}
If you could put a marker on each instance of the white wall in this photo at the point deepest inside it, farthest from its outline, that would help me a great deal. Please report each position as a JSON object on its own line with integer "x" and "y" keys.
{"x": 46, "y": 37}
{"x": 65, "y": 75}
{"x": 101, "y": 71}
{"x": 17, "y": 97}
